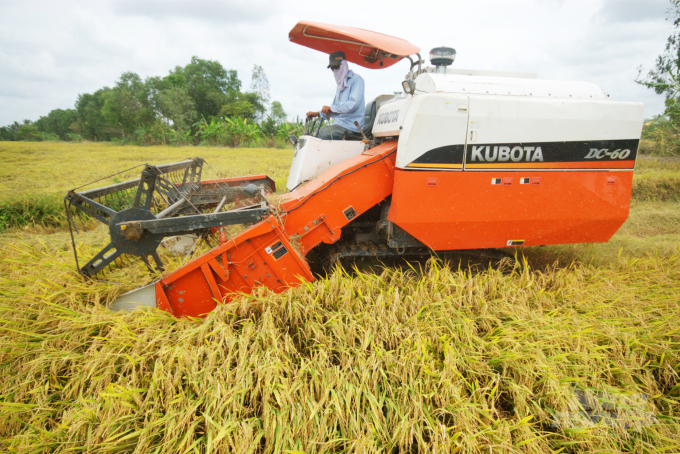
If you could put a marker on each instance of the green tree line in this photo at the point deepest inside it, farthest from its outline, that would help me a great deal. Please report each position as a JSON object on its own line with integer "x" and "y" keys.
{"x": 663, "y": 131}
{"x": 201, "y": 102}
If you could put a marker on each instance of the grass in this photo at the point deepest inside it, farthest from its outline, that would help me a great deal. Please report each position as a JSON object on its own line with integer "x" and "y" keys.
{"x": 517, "y": 358}
{"x": 657, "y": 179}
{"x": 652, "y": 228}
{"x": 34, "y": 168}
{"x": 35, "y": 176}
{"x": 441, "y": 361}
{"x": 38, "y": 210}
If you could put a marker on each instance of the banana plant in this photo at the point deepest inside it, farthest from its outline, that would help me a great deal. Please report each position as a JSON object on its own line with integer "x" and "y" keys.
{"x": 180, "y": 137}
{"x": 286, "y": 129}
{"x": 240, "y": 131}
{"x": 210, "y": 132}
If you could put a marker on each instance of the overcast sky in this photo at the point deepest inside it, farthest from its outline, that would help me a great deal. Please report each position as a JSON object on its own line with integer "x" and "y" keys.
{"x": 52, "y": 51}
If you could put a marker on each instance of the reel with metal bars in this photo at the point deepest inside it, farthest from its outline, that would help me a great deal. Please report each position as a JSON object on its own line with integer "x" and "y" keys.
{"x": 167, "y": 200}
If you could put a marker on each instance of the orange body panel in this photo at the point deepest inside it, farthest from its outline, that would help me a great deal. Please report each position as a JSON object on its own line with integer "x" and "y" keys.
{"x": 315, "y": 211}
{"x": 464, "y": 210}
{"x": 236, "y": 266}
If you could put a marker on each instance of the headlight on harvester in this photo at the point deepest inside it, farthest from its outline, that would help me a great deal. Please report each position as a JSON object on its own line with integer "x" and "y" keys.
{"x": 409, "y": 86}
{"x": 300, "y": 145}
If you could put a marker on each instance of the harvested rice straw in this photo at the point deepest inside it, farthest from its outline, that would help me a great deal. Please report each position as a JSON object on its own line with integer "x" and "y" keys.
{"x": 439, "y": 361}
{"x": 274, "y": 201}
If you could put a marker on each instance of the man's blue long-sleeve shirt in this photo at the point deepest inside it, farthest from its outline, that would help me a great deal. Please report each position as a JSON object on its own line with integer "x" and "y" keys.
{"x": 349, "y": 105}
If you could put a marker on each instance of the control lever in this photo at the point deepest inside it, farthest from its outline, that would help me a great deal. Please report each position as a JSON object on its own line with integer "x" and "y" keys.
{"x": 319, "y": 128}
{"x": 365, "y": 139}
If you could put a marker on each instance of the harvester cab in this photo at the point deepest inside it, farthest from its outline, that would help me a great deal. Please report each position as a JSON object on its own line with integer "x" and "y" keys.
{"x": 364, "y": 48}
{"x": 462, "y": 160}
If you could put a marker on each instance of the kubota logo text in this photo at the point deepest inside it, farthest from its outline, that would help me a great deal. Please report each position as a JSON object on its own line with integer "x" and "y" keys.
{"x": 486, "y": 153}
{"x": 388, "y": 117}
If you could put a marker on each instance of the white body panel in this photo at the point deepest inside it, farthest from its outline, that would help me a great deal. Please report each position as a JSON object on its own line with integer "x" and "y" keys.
{"x": 313, "y": 156}
{"x": 483, "y": 72}
{"x": 505, "y": 86}
{"x": 431, "y": 122}
{"x": 390, "y": 117}
{"x": 450, "y": 113}
{"x": 503, "y": 119}
{"x": 473, "y": 72}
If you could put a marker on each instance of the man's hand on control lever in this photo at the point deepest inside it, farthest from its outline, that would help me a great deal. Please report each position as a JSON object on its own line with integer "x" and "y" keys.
{"x": 325, "y": 110}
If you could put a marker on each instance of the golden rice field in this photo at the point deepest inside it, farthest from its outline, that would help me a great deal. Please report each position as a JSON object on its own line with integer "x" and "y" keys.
{"x": 571, "y": 348}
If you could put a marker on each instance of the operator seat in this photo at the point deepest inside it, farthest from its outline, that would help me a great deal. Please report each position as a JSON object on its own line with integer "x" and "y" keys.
{"x": 369, "y": 119}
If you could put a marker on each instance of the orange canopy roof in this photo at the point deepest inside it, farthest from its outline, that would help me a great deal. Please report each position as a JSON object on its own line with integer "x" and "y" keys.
{"x": 363, "y": 47}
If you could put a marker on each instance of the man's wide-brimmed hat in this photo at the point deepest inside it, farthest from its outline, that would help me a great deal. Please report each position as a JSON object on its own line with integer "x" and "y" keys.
{"x": 335, "y": 59}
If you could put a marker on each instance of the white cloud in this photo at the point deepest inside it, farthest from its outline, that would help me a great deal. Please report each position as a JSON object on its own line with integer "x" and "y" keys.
{"x": 51, "y": 51}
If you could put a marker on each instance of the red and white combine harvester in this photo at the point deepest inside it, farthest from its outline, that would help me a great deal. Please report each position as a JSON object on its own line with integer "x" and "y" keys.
{"x": 463, "y": 159}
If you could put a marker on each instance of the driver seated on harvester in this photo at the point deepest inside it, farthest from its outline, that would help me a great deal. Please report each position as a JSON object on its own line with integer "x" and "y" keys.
{"x": 348, "y": 105}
